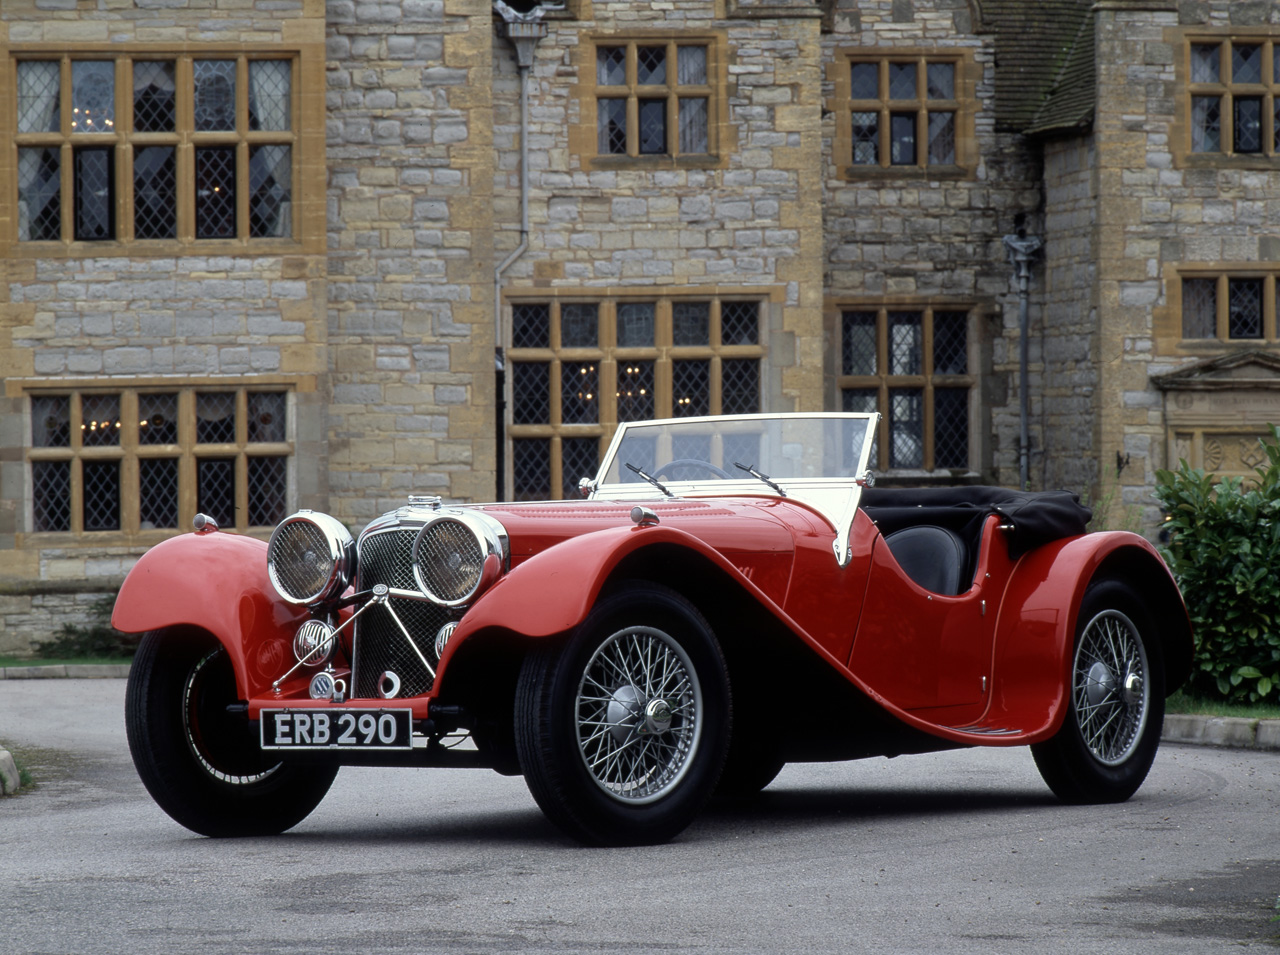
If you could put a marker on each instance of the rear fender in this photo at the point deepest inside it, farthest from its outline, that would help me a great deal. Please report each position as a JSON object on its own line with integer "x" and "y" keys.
{"x": 218, "y": 583}
{"x": 1035, "y": 633}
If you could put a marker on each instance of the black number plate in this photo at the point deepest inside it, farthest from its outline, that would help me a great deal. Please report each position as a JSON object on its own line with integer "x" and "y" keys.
{"x": 337, "y": 729}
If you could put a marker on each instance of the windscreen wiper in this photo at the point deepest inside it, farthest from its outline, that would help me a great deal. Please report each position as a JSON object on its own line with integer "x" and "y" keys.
{"x": 650, "y": 478}
{"x": 761, "y": 477}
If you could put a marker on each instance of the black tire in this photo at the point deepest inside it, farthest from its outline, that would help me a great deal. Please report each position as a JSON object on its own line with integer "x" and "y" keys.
{"x": 1111, "y": 731}
{"x": 581, "y": 706}
{"x": 747, "y": 774}
{"x": 200, "y": 764}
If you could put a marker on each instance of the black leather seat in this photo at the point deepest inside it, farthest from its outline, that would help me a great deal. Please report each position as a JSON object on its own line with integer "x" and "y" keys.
{"x": 934, "y": 557}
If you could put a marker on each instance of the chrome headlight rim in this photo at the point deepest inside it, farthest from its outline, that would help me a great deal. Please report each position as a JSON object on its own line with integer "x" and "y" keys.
{"x": 492, "y": 544}
{"x": 341, "y": 553}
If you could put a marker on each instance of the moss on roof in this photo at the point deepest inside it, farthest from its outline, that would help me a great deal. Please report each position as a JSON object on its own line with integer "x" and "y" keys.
{"x": 1044, "y": 63}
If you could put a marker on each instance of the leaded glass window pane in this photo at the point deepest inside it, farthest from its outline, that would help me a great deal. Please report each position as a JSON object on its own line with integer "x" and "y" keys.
{"x": 93, "y": 96}
{"x": 1206, "y": 124}
{"x": 635, "y": 325}
{"x": 531, "y": 392}
{"x": 690, "y": 388}
{"x": 216, "y": 417}
{"x": 216, "y": 193}
{"x": 862, "y": 401}
{"x": 216, "y": 489}
{"x": 579, "y": 393}
{"x": 1246, "y": 63}
{"x": 267, "y": 416}
{"x": 951, "y": 427}
{"x": 858, "y": 343}
{"x": 611, "y": 65}
{"x": 579, "y": 325}
{"x": 39, "y": 96}
{"x": 51, "y": 421}
{"x": 101, "y": 495}
{"x": 942, "y": 138}
{"x": 215, "y": 94}
{"x": 950, "y": 343}
{"x": 531, "y": 465}
{"x": 158, "y": 493}
{"x": 154, "y": 92}
{"x": 691, "y": 323}
{"x": 269, "y": 85}
{"x": 155, "y": 192}
{"x": 651, "y": 65}
{"x": 1205, "y": 60}
{"x": 1244, "y": 308}
{"x": 693, "y": 125}
{"x": 580, "y": 458}
{"x": 268, "y": 480}
{"x": 611, "y": 126}
{"x": 51, "y": 495}
{"x": 691, "y": 66}
{"x": 866, "y": 139}
{"x": 531, "y": 325}
{"x": 864, "y": 81}
{"x": 1199, "y": 308}
{"x": 902, "y": 139}
{"x": 270, "y": 191}
{"x": 39, "y": 195}
{"x": 906, "y": 428}
{"x": 157, "y": 419}
{"x": 653, "y": 127}
{"x": 942, "y": 80}
{"x": 740, "y": 323}
{"x": 635, "y": 399}
{"x": 1248, "y": 124}
{"x": 95, "y": 203}
{"x": 740, "y": 386}
{"x": 643, "y": 453}
{"x": 740, "y": 449}
{"x": 694, "y": 447}
{"x": 902, "y": 81}
{"x": 906, "y": 343}
{"x": 100, "y": 421}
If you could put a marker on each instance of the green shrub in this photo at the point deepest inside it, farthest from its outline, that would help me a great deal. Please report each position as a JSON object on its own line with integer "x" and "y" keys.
{"x": 98, "y": 639}
{"x": 1224, "y": 548}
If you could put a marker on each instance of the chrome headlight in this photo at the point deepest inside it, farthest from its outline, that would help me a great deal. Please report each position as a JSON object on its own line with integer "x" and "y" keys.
{"x": 310, "y": 558}
{"x": 455, "y": 556}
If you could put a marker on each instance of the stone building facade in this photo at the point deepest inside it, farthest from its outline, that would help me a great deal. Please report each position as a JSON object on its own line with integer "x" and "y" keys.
{"x": 258, "y": 255}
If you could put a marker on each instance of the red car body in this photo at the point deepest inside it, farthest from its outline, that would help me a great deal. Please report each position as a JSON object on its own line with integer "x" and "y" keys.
{"x": 827, "y": 655}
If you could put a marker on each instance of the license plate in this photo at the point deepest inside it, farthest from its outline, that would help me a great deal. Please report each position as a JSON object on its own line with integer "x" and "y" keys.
{"x": 337, "y": 729}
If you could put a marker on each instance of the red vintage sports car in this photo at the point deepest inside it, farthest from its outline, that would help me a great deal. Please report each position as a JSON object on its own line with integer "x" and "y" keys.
{"x": 733, "y": 595}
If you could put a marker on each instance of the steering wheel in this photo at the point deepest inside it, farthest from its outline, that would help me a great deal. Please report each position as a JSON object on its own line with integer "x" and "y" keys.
{"x": 666, "y": 469}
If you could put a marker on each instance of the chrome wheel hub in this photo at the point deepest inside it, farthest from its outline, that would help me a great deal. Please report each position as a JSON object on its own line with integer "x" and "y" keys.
{"x": 1109, "y": 687}
{"x": 638, "y": 715}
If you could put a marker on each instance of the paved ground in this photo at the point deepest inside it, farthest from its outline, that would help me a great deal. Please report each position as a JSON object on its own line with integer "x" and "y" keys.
{"x": 957, "y": 852}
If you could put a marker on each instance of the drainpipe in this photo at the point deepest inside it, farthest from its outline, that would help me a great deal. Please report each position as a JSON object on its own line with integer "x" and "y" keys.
{"x": 524, "y": 35}
{"x": 1022, "y": 250}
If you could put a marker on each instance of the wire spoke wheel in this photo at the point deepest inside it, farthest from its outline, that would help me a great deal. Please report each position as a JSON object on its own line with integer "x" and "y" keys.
{"x": 639, "y": 715}
{"x": 209, "y": 687}
{"x": 1110, "y": 687}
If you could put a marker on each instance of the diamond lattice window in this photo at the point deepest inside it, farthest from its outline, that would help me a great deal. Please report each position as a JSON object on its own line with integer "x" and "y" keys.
{"x": 638, "y": 93}
{"x": 913, "y": 367}
{"x": 1227, "y": 308}
{"x": 1231, "y": 97}
{"x": 902, "y": 115}
{"x": 124, "y": 461}
{"x": 617, "y": 361}
{"x": 176, "y": 168}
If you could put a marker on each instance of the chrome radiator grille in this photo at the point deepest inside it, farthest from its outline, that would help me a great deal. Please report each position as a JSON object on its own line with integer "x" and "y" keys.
{"x": 385, "y": 558}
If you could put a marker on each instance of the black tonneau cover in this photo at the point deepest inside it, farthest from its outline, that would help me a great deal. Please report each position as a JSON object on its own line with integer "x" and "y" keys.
{"x": 1037, "y": 517}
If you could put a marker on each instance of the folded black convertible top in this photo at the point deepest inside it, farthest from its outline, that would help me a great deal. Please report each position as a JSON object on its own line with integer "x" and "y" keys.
{"x": 1037, "y": 517}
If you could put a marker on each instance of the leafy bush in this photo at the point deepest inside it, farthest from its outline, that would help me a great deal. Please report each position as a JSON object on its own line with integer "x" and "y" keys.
{"x": 98, "y": 639}
{"x": 1224, "y": 548}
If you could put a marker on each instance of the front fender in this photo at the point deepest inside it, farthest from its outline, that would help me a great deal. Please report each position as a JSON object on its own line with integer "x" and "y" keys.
{"x": 1035, "y": 633}
{"x": 553, "y": 591}
{"x": 217, "y": 582}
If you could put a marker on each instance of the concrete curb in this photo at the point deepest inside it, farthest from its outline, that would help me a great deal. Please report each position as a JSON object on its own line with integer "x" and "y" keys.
{"x": 1224, "y": 731}
{"x": 75, "y": 671}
